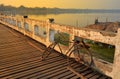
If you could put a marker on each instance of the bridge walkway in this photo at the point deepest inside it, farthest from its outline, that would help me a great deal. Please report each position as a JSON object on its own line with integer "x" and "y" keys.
{"x": 20, "y": 59}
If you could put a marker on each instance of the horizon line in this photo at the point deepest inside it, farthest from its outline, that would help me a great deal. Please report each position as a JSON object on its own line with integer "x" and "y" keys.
{"x": 60, "y": 8}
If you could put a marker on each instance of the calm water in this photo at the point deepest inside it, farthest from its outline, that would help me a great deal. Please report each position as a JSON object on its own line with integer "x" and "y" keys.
{"x": 79, "y": 20}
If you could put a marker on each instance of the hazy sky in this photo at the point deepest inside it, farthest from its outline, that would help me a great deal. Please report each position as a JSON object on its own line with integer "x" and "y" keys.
{"x": 80, "y": 4}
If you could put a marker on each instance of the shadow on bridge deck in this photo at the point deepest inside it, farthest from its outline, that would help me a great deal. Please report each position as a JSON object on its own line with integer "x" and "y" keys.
{"x": 20, "y": 58}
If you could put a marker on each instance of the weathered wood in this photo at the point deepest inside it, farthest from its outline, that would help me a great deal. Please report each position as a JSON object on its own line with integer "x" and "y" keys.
{"x": 20, "y": 58}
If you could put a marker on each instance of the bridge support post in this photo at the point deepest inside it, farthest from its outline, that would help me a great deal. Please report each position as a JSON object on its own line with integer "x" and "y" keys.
{"x": 47, "y": 32}
{"x": 72, "y": 36}
{"x": 116, "y": 64}
{"x": 22, "y": 25}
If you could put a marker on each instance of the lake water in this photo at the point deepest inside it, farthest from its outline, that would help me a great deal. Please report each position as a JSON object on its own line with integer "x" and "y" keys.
{"x": 79, "y": 19}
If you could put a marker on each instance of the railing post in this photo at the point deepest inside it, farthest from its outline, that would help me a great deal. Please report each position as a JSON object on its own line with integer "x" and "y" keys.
{"x": 47, "y": 33}
{"x": 23, "y": 25}
{"x": 16, "y": 23}
{"x": 33, "y": 27}
{"x": 116, "y": 64}
{"x": 72, "y": 36}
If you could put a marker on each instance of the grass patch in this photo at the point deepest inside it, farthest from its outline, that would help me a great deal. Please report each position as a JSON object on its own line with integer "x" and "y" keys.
{"x": 62, "y": 38}
{"x": 103, "y": 52}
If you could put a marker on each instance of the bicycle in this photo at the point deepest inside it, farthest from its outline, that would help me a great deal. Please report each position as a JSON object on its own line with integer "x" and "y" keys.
{"x": 82, "y": 55}
{"x": 80, "y": 50}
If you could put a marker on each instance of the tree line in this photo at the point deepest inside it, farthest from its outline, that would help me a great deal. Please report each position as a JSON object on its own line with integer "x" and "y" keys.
{"x": 38, "y": 10}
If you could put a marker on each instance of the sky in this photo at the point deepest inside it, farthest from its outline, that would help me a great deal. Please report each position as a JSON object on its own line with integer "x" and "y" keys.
{"x": 78, "y": 4}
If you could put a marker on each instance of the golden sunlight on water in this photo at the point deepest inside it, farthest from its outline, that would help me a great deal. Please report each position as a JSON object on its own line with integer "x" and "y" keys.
{"x": 78, "y": 20}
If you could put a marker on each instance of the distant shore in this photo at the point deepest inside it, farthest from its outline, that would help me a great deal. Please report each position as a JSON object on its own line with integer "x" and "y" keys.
{"x": 37, "y": 10}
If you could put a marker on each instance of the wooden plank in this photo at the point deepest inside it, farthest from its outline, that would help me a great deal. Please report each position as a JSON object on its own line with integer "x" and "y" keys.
{"x": 65, "y": 73}
{"x": 79, "y": 75}
{"x": 68, "y": 76}
{"x": 97, "y": 76}
{"x": 52, "y": 73}
{"x": 23, "y": 62}
{"x": 104, "y": 77}
{"x": 32, "y": 75}
{"x": 35, "y": 68}
{"x": 27, "y": 67}
{"x": 43, "y": 68}
{"x": 91, "y": 74}
{"x": 75, "y": 77}
{"x": 7, "y": 55}
{"x": 14, "y": 59}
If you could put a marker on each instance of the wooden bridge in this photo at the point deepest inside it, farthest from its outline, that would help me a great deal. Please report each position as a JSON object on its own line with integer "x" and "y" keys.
{"x": 20, "y": 59}
{"x": 19, "y": 47}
